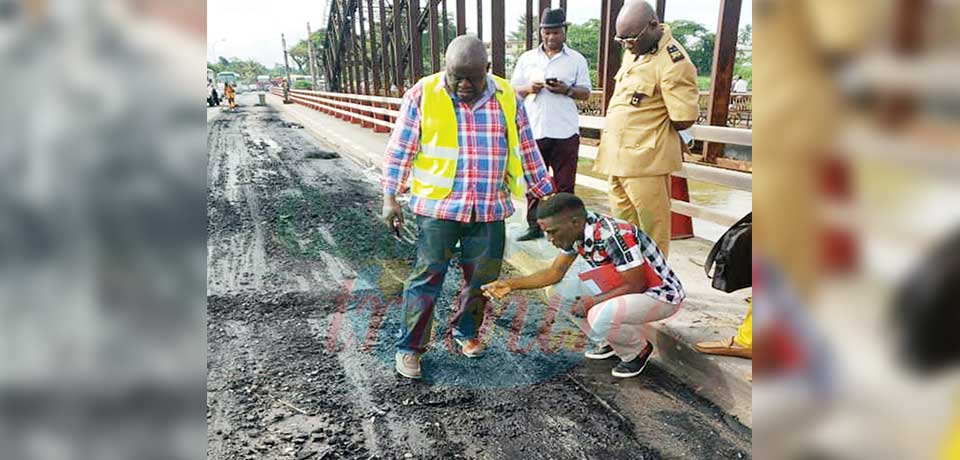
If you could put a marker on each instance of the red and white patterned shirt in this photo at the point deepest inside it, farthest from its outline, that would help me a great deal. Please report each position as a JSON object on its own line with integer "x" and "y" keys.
{"x": 612, "y": 241}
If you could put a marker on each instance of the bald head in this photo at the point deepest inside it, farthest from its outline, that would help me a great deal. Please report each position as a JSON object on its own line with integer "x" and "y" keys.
{"x": 635, "y": 14}
{"x": 638, "y": 19}
{"x": 466, "y": 67}
{"x": 466, "y": 51}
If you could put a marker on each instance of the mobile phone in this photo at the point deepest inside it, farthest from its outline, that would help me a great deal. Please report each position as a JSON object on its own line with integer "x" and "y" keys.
{"x": 551, "y": 81}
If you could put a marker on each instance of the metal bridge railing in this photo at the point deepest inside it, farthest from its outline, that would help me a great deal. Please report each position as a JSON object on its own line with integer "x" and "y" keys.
{"x": 379, "y": 113}
{"x": 739, "y": 114}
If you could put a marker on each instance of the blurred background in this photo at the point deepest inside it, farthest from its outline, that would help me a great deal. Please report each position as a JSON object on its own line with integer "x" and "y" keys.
{"x": 856, "y": 200}
{"x": 102, "y": 229}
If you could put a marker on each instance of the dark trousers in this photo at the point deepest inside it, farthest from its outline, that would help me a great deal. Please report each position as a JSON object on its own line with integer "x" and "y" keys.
{"x": 481, "y": 257}
{"x": 561, "y": 155}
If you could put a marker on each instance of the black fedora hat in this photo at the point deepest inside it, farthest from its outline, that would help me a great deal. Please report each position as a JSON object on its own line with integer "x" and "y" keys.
{"x": 555, "y": 17}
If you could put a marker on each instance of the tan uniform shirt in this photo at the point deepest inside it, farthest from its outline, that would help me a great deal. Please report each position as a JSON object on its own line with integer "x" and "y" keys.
{"x": 638, "y": 139}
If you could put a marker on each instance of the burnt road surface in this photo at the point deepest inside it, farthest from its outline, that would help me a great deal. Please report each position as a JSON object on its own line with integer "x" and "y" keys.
{"x": 303, "y": 304}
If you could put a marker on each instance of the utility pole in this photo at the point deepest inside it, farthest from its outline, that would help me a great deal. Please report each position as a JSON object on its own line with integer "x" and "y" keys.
{"x": 313, "y": 65}
{"x": 286, "y": 66}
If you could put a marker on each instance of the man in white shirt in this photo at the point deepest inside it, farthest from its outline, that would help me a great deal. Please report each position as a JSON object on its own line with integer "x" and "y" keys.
{"x": 740, "y": 86}
{"x": 550, "y": 78}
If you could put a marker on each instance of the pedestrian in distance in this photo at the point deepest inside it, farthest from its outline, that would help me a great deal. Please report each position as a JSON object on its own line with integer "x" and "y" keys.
{"x": 231, "y": 95}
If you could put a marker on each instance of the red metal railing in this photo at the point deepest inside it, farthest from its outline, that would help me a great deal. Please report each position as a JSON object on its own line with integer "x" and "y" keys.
{"x": 380, "y": 112}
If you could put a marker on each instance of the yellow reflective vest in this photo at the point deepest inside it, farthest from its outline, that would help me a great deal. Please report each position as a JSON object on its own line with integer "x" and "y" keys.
{"x": 951, "y": 446}
{"x": 435, "y": 165}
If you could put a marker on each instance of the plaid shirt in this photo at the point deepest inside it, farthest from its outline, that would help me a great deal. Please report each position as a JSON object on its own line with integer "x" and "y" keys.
{"x": 611, "y": 241}
{"x": 480, "y": 192}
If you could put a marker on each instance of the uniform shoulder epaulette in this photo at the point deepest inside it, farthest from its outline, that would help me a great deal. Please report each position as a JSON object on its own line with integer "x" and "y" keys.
{"x": 675, "y": 54}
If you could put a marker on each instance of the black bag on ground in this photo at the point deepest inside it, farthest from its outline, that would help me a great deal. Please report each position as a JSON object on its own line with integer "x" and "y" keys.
{"x": 926, "y": 310}
{"x": 733, "y": 256}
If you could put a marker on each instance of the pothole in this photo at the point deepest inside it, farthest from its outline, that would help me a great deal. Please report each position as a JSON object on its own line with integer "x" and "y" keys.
{"x": 321, "y": 155}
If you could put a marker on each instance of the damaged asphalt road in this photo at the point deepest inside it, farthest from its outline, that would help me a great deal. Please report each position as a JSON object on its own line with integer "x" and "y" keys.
{"x": 303, "y": 302}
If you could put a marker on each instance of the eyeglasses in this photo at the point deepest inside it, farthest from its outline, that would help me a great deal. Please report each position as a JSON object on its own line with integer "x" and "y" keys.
{"x": 629, "y": 41}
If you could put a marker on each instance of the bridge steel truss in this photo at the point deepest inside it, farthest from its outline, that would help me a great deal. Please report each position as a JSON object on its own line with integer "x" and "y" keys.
{"x": 368, "y": 48}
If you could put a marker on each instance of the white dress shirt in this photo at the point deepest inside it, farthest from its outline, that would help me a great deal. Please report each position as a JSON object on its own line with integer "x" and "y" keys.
{"x": 740, "y": 86}
{"x": 552, "y": 115}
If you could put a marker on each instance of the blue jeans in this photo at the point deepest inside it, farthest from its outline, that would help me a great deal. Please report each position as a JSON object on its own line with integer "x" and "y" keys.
{"x": 481, "y": 256}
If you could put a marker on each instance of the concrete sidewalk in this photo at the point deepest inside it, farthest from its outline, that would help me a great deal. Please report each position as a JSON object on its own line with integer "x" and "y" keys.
{"x": 707, "y": 314}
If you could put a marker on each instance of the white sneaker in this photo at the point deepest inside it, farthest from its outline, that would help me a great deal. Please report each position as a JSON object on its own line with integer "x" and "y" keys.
{"x": 600, "y": 351}
{"x": 408, "y": 365}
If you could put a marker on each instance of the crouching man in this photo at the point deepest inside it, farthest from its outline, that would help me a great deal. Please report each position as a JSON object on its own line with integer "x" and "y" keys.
{"x": 636, "y": 286}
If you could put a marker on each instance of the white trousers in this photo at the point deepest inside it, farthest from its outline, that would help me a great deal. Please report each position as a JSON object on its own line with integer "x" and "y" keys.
{"x": 619, "y": 322}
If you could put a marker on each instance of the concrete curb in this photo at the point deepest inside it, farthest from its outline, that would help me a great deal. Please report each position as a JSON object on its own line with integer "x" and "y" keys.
{"x": 723, "y": 380}
{"x": 706, "y": 315}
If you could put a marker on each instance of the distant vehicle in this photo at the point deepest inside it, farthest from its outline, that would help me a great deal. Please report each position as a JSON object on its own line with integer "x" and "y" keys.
{"x": 228, "y": 77}
{"x": 263, "y": 82}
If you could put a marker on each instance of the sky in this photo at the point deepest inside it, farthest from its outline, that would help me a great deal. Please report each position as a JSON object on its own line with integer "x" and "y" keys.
{"x": 250, "y": 29}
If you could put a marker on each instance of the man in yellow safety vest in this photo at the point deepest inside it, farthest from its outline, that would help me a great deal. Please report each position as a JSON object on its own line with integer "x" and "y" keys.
{"x": 465, "y": 139}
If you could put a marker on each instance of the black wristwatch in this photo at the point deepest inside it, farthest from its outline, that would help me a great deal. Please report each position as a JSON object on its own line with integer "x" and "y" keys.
{"x": 569, "y": 92}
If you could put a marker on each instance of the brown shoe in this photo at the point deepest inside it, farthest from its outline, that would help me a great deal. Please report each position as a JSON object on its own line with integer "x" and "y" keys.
{"x": 725, "y": 348}
{"x": 472, "y": 348}
{"x": 408, "y": 365}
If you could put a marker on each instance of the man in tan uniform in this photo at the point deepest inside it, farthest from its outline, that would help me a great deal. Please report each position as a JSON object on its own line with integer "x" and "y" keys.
{"x": 655, "y": 97}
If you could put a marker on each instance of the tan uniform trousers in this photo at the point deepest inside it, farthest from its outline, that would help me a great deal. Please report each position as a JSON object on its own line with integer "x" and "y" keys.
{"x": 644, "y": 202}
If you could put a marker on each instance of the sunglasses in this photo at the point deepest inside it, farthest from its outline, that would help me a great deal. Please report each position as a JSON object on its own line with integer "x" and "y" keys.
{"x": 629, "y": 41}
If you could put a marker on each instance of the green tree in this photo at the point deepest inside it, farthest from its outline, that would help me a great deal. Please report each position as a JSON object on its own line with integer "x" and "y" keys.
{"x": 745, "y": 42}
{"x": 519, "y": 33}
{"x": 687, "y": 32}
{"x": 698, "y": 41}
{"x": 744, "y": 63}
{"x": 277, "y": 71}
{"x": 426, "y": 61}
{"x": 585, "y": 38}
{"x": 300, "y": 55}
{"x": 452, "y": 32}
{"x": 702, "y": 53}
{"x": 246, "y": 69}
